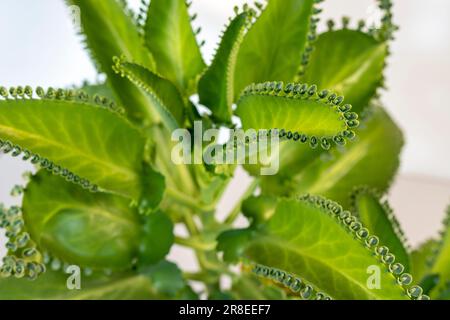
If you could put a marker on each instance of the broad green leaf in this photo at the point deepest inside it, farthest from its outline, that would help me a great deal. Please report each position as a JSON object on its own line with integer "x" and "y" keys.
{"x": 216, "y": 86}
{"x": 52, "y": 285}
{"x": 445, "y": 293}
{"x": 336, "y": 174}
{"x": 76, "y": 139}
{"x": 260, "y": 208}
{"x": 379, "y": 219}
{"x": 291, "y": 158}
{"x": 109, "y": 31}
{"x": 272, "y": 49}
{"x": 169, "y": 36}
{"x": 101, "y": 89}
{"x": 157, "y": 238}
{"x": 164, "y": 96}
{"x": 160, "y": 282}
{"x": 167, "y": 278}
{"x": 349, "y": 62}
{"x": 248, "y": 287}
{"x": 92, "y": 230}
{"x": 291, "y": 283}
{"x": 441, "y": 262}
{"x": 421, "y": 258}
{"x": 315, "y": 239}
{"x": 303, "y": 113}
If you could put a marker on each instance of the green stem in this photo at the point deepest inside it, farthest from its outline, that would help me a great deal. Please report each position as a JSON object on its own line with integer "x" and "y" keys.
{"x": 237, "y": 208}
{"x": 195, "y": 244}
{"x": 187, "y": 201}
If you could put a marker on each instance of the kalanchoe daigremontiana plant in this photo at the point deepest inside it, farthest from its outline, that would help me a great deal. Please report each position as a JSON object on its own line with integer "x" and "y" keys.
{"x": 107, "y": 194}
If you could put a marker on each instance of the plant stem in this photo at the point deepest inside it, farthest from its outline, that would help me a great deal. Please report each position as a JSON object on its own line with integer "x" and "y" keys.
{"x": 195, "y": 244}
{"x": 187, "y": 201}
{"x": 237, "y": 208}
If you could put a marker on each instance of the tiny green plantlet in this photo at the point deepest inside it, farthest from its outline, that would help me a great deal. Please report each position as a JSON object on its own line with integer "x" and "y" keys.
{"x": 106, "y": 194}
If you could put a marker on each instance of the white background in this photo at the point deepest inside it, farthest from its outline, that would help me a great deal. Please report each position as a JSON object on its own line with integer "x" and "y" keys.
{"x": 38, "y": 46}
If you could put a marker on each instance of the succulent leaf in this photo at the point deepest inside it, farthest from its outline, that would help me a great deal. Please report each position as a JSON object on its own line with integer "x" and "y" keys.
{"x": 169, "y": 36}
{"x": 249, "y": 287}
{"x": 119, "y": 35}
{"x": 379, "y": 219}
{"x": 75, "y": 138}
{"x": 299, "y": 112}
{"x": 349, "y": 62}
{"x": 162, "y": 281}
{"x": 421, "y": 259}
{"x": 441, "y": 262}
{"x": 273, "y": 47}
{"x": 315, "y": 239}
{"x": 260, "y": 208}
{"x": 91, "y": 230}
{"x": 167, "y": 102}
{"x": 336, "y": 174}
{"x": 216, "y": 86}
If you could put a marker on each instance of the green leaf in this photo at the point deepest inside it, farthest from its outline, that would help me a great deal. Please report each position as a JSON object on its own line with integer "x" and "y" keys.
{"x": 157, "y": 239}
{"x": 273, "y": 47}
{"x": 303, "y": 113}
{"x": 248, "y": 287}
{"x": 52, "y": 285}
{"x": 165, "y": 97}
{"x": 379, "y": 219}
{"x": 317, "y": 240}
{"x": 169, "y": 36}
{"x": 76, "y": 139}
{"x": 260, "y": 208}
{"x": 216, "y": 86}
{"x": 119, "y": 36}
{"x": 92, "y": 230}
{"x": 291, "y": 158}
{"x": 336, "y": 174}
{"x": 101, "y": 89}
{"x": 421, "y": 258}
{"x": 441, "y": 262}
{"x": 167, "y": 278}
{"x": 349, "y": 62}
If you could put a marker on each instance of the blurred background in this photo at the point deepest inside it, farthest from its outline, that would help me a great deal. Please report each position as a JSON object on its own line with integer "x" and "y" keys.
{"x": 40, "y": 47}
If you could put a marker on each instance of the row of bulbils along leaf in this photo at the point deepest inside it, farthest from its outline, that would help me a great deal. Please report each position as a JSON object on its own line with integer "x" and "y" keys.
{"x": 55, "y": 264}
{"x": 311, "y": 37}
{"x": 23, "y": 258}
{"x": 80, "y": 96}
{"x": 306, "y": 92}
{"x": 385, "y": 205}
{"x": 7, "y": 147}
{"x": 51, "y": 93}
{"x": 197, "y": 31}
{"x": 371, "y": 242}
{"x": 388, "y": 27}
{"x": 290, "y": 282}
